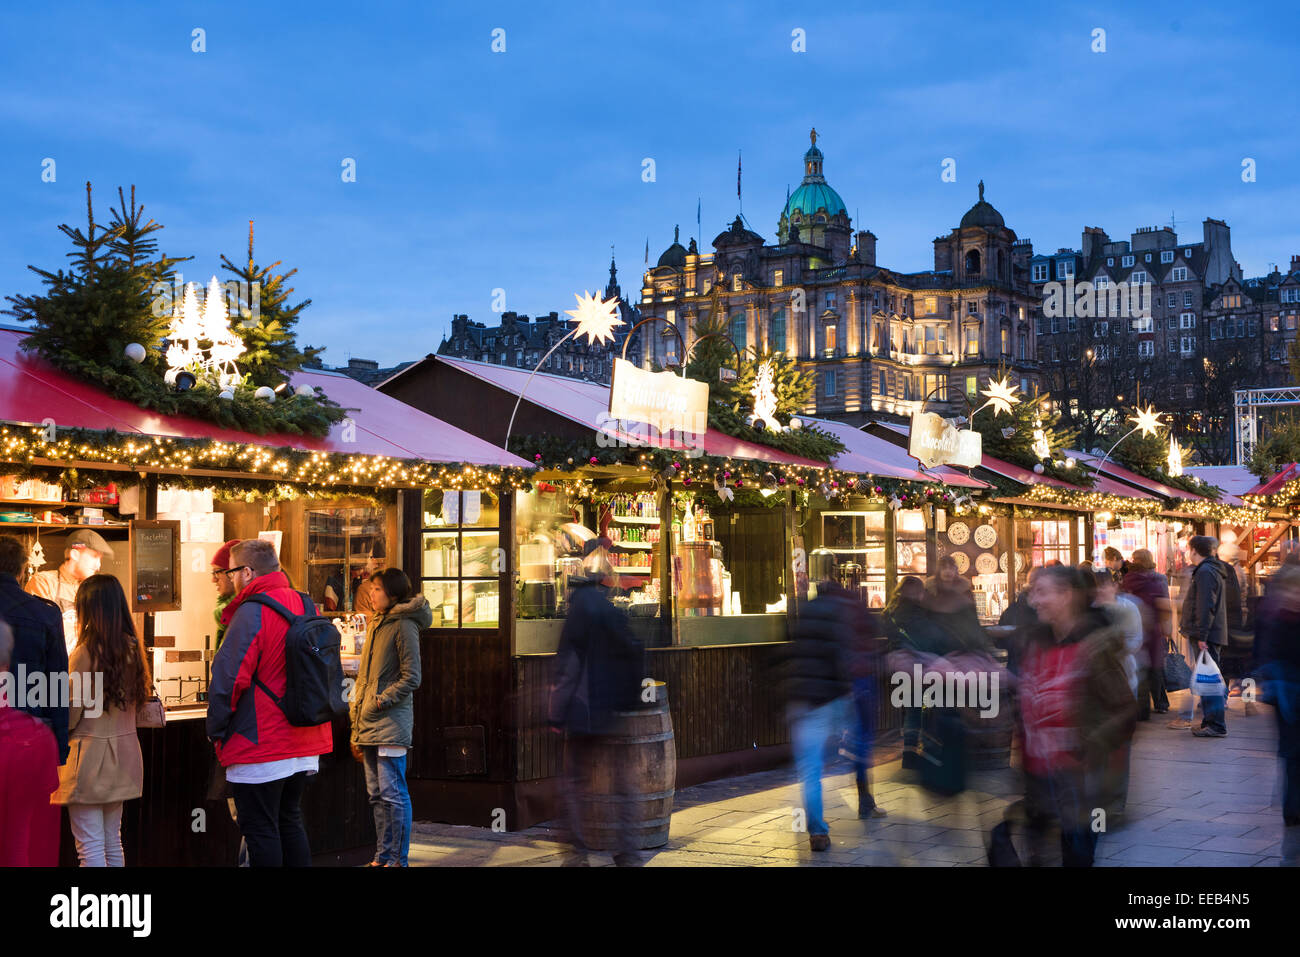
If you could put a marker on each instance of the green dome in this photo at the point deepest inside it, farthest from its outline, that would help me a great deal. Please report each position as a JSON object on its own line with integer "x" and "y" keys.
{"x": 810, "y": 197}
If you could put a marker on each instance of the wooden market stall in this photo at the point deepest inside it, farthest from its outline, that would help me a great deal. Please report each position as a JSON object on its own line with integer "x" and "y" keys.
{"x": 166, "y": 491}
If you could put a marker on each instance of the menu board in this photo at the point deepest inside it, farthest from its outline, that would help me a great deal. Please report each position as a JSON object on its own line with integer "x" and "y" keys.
{"x": 155, "y": 561}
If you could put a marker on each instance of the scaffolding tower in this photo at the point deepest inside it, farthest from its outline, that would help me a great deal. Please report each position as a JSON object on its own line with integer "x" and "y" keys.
{"x": 1247, "y": 403}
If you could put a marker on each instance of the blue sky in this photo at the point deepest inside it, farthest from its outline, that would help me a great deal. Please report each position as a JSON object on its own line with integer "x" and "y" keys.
{"x": 479, "y": 170}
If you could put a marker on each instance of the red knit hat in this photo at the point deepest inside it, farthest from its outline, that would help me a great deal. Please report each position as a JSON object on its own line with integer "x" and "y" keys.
{"x": 221, "y": 559}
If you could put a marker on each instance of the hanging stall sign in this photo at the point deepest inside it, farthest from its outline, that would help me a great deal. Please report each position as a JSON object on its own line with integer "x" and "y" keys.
{"x": 661, "y": 399}
{"x": 935, "y": 441}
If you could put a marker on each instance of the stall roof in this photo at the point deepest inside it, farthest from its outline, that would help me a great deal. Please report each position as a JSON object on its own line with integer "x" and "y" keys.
{"x": 1274, "y": 485}
{"x": 871, "y": 454}
{"x": 1133, "y": 478}
{"x": 32, "y": 390}
{"x": 587, "y": 403}
{"x": 1234, "y": 479}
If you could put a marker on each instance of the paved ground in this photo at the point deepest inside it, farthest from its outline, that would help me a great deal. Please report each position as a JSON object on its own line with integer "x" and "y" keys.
{"x": 1192, "y": 802}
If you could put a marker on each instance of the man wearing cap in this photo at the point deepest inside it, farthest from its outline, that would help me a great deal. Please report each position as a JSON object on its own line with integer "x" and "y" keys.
{"x": 82, "y": 552}
{"x": 225, "y": 587}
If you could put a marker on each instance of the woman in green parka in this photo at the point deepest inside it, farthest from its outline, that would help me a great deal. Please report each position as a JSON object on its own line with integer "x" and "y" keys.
{"x": 382, "y": 708}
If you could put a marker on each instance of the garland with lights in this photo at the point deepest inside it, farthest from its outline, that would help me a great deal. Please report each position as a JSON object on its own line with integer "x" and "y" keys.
{"x": 1222, "y": 512}
{"x": 1093, "y": 501}
{"x": 319, "y": 473}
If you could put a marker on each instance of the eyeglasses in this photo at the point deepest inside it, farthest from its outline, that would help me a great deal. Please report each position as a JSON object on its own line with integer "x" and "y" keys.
{"x": 229, "y": 571}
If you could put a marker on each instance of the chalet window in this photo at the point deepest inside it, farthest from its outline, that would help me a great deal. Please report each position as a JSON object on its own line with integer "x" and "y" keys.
{"x": 459, "y": 567}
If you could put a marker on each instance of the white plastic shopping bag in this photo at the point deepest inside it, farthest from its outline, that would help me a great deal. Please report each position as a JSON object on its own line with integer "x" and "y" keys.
{"x": 1207, "y": 680}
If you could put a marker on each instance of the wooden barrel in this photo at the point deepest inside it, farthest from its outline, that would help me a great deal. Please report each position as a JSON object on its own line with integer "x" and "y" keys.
{"x": 988, "y": 739}
{"x": 642, "y": 750}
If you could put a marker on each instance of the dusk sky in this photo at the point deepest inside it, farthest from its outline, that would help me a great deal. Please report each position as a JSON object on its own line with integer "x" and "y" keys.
{"x": 518, "y": 170}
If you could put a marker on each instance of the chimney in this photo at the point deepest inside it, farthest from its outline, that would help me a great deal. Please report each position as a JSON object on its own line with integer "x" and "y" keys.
{"x": 866, "y": 247}
{"x": 1295, "y": 264}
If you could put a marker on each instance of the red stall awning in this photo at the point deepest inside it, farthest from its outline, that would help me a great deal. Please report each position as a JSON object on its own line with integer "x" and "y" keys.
{"x": 32, "y": 391}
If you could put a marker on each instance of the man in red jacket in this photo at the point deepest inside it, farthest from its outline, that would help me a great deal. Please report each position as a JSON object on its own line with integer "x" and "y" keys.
{"x": 29, "y": 773}
{"x": 267, "y": 760}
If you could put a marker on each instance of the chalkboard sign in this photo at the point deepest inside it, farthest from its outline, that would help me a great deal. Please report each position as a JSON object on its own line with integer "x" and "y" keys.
{"x": 155, "y": 565}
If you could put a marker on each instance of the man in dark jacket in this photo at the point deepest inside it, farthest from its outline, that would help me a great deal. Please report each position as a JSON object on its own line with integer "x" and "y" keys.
{"x": 39, "y": 645}
{"x": 600, "y": 667}
{"x": 1151, "y": 589}
{"x": 813, "y": 668}
{"x": 1205, "y": 623}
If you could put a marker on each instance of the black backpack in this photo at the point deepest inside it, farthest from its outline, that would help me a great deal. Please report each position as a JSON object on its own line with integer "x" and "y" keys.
{"x": 313, "y": 670}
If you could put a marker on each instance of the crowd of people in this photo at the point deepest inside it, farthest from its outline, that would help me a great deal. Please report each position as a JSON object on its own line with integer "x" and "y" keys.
{"x": 84, "y": 752}
{"x": 1084, "y": 650}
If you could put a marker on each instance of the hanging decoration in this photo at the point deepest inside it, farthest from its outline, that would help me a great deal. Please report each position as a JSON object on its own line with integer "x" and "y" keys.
{"x": 764, "y": 395}
{"x": 1175, "y": 462}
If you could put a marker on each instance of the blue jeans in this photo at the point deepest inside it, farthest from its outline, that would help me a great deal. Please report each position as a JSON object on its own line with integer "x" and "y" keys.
{"x": 862, "y": 729}
{"x": 391, "y": 803}
{"x": 810, "y": 729}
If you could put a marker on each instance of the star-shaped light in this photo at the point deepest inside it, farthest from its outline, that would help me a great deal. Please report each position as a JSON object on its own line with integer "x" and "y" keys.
{"x": 596, "y": 318}
{"x": 1148, "y": 421}
{"x": 1002, "y": 396}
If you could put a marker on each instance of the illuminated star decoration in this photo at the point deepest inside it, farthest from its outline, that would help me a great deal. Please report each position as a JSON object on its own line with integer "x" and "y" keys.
{"x": 1002, "y": 396}
{"x": 1175, "y": 463}
{"x": 1148, "y": 421}
{"x": 596, "y": 318}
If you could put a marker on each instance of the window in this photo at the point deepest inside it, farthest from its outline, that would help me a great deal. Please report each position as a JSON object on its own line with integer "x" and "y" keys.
{"x": 1187, "y": 320}
{"x": 1187, "y": 346}
{"x": 738, "y": 330}
{"x": 778, "y": 277}
{"x": 1166, "y": 255}
{"x": 1253, "y": 328}
{"x": 1071, "y": 324}
{"x": 1139, "y": 277}
{"x": 931, "y": 305}
{"x": 1178, "y": 274}
{"x": 1148, "y": 257}
{"x": 1187, "y": 254}
{"x": 1172, "y": 345}
{"x": 1064, "y": 268}
{"x": 972, "y": 385}
{"x": 1101, "y": 352}
{"x": 1187, "y": 300}
{"x": 1024, "y": 347}
{"x": 1039, "y": 325}
{"x": 1272, "y": 323}
{"x": 972, "y": 342}
{"x": 830, "y": 300}
{"x": 1291, "y": 295}
{"x": 1172, "y": 301}
{"x": 1290, "y": 322}
{"x": 831, "y": 337}
{"x": 1127, "y": 261}
{"x": 339, "y": 543}
{"x": 884, "y": 389}
{"x": 778, "y": 331}
{"x": 1275, "y": 352}
{"x": 735, "y": 282}
{"x": 1101, "y": 282}
{"x": 1216, "y": 329}
{"x": 1100, "y": 329}
{"x": 829, "y": 379}
{"x": 1006, "y": 341}
{"x": 1056, "y": 325}
{"x": 1040, "y": 272}
{"x": 459, "y": 567}
{"x": 1110, "y": 260}
{"x": 972, "y": 308}
{"x": 1190, "y": 392}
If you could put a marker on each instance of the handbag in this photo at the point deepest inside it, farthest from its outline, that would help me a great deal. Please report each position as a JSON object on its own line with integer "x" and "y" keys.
{"x": 150, "y": 713}
{"x": 1178, "y": 673}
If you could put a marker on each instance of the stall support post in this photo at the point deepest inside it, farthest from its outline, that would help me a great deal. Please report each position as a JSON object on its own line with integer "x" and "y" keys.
{"x": 794, "y": 595}
{"x": 507, "y": 587}
{"x": 668, "y": 628}
{"x": 149, "y": 486}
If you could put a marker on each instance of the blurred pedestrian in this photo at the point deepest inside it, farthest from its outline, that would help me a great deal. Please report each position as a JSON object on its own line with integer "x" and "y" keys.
{"x": 813, "y": 668}
{"x": 1076, "y": 709}
{"x": 951, "y": 604}
{"x": 1205, "y": 623}
{"x": 1277, "y": 646}
{"x": 29, "y": 774}
{"x": 39, "y": 644}
{"x": 864, "y": 661}
{"x": 1115, "y": 563}
{"x": 1151, "y": 590}
{"x": 383, "y": 708}
{"x": 1112, "y": 777}
{"x": 599, "y": 670}
{"x": 913, "y": 635}
{"x": 105, "y": 766}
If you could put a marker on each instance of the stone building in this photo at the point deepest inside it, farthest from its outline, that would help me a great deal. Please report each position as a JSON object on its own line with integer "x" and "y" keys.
{"x": 522, "y": 342}
{"x": 878, "y": 341}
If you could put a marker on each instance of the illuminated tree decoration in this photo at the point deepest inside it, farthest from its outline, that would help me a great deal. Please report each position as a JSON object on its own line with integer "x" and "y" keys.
{"x": 765, "y": 398}
{"x": 191, "y": 327}
{"x": 596, "y": 318}
{"x": 1175, "y": 465}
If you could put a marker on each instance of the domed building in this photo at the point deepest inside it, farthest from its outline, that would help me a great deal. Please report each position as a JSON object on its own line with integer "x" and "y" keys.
{"x": 881, "y": 343}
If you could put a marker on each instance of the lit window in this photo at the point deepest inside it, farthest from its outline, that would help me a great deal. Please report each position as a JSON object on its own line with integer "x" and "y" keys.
{"x": 830, "y": 338}
{"x": 778, "y": 277}
{"x": 735, "y": 282}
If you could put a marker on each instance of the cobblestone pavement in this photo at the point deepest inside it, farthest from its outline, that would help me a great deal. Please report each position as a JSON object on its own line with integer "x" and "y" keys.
{"x": 1192, "y": 801}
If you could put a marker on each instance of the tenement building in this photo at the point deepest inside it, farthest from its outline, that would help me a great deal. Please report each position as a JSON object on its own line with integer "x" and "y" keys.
{"x": 878, "y": 341}
{"x": 522, "y": 342}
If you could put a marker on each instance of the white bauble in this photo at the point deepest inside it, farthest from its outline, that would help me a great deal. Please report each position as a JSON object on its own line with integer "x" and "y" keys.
{"x": 265, "y": 392}
{"x": 135, "y": 352}
{"x": 1038, "y": 468}
{"x": 305, "y": 390}
{"x": 226, "y": 394}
